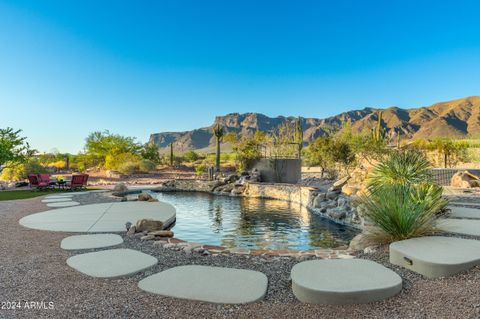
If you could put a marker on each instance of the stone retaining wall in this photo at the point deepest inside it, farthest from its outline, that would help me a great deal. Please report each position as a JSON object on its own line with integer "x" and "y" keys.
{"x": 289, "y": 192}
{"x": 187, "y": 185}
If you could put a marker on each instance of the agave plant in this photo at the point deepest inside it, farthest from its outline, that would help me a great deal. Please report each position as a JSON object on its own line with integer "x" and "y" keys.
{"x": 400, "y": 212}
{"x": 400, "y": 168}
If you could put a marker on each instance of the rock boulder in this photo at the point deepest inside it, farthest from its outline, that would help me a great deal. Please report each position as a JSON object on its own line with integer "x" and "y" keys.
{"x": 144, "y": 197}
{"x": 120, "y": 188}
{"x": 465, "y": 179}
{"x": 148, "y": 225}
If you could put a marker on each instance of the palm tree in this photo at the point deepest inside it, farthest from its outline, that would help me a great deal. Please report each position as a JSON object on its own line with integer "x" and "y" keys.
{"x": 218, "y": 132}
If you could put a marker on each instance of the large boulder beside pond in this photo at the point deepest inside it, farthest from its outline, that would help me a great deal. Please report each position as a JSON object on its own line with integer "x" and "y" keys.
{"x": 465, "y": 179}
{"x": 360, "y": 242}
{"x": 148, "y": 225}
{"x": 144, "y": 197}
{"x": 120, "y": 188}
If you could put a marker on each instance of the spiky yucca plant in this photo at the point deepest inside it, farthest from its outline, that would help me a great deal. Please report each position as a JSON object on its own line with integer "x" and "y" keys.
{"x": 400, "y": 168}
{"x": 402, "y": 201}
{"x": 399, "y": 212}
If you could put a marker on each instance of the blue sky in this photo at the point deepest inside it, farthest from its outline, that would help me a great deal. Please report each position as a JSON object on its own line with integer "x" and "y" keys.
{"x": 136, "y": 67}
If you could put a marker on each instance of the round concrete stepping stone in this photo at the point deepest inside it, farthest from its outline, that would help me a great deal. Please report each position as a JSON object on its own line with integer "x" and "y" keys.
{"x": 63, "y": 204}
{"x": 208, "y": 284}
{"x": 57, "y": 200}
{"x": 59, "y": 196}
{"x": 460, "y": 226}
{"x": 465, "y": 204}
{"x": 436, "y": 256}
{"x": 464, "y": 212}
{"x": 111, "y": 263}
{"x": 339, "y": 281}
{"x": 90, "y": 241}
{"x": 98, "y": 218}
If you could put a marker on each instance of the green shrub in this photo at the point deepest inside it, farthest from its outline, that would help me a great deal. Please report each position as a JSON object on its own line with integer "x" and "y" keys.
{"x": 150, "y": 152}
{"x": 81, "y": 162}
{"x": 402, "y": 211}
{"x": 146, "y": 166}
{"x": 402, "y": 201}
{"x": 191, "y": 156}
{"x": 199, "y": 169}
{"x": 21, "y": 171}
{"x": 400, "y": 167}
{"x": 115, "y": 162}
{"x": 128, "y": 168}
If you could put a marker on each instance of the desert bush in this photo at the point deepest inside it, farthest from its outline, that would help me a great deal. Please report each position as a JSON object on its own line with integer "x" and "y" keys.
{"x": 128, "y": 168}
{"x": 449, "y": 152}
{"x": 114, "y": 162}
{"x": 127, "y": 163}
{"x": 177, "y": 160}
{"x": 149, "y": 152}
{"x": 18, "y": 172}
{"x": 247, "y": 151}
{"x": 191, "y": 156}
{"x": 199, "y": 169}
{"x": 318, "y": 153}
{"x": 83, "y": 161}
{"x": 330, "y": 152}
{"x": 146, "y": 166}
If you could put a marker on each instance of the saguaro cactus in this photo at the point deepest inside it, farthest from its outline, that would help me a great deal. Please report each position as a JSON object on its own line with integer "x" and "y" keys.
{"x": 378, "y": 132}
{"x": 299, "y": 135}
{"x": 171, "y": 154}
{"x": 218, "y": 132}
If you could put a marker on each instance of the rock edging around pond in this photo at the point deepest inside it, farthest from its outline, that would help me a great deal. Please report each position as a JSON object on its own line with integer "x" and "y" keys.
{"x": 206, "y": 250}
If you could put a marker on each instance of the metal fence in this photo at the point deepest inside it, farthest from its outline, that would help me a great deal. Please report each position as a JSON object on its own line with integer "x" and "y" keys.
{"x": 443, "y": 176}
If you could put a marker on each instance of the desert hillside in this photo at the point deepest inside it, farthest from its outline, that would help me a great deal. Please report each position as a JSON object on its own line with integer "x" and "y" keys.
{"x": 455, "y": 118}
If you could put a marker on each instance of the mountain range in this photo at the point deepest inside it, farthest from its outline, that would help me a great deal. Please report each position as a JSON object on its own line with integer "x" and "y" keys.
{"x": 457, "y": 118}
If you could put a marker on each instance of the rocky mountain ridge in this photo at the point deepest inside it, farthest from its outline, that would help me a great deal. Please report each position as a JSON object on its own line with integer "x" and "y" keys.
{"x": 456, "y": 118}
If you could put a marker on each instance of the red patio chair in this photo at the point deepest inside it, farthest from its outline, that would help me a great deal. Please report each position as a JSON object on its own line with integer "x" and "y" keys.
{"x": 78, "y": 181}
{"x": 45, "y": 178}
{"x": 85, "y": 180}
{"x": 35, "y": 182}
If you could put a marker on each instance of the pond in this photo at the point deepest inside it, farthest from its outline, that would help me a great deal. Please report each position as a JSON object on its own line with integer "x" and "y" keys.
{"x": 252, "y": 223}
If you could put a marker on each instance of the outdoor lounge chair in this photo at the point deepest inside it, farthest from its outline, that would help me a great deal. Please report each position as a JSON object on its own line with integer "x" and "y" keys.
{"x": 78, "y": 181}
{"x": 35, "y": 182}
{"x": 45, "y": 178}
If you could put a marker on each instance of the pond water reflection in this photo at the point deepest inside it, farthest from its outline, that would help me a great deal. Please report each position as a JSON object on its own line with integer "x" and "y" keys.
{"x": 252, "y": 223}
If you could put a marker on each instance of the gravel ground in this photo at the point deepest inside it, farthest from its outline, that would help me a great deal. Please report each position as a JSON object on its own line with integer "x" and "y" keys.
{"x": 33, "y": 268}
